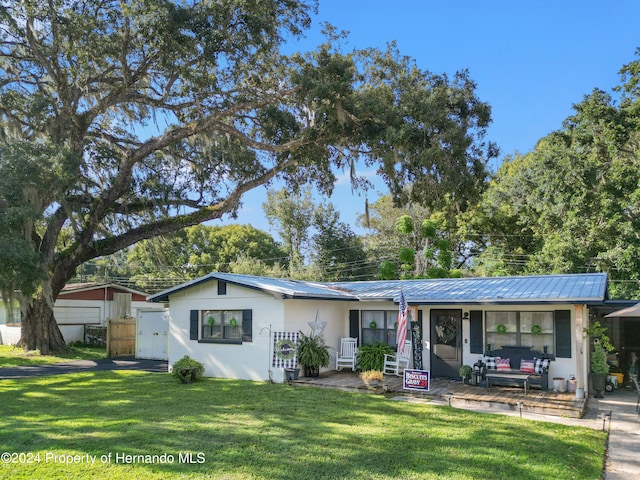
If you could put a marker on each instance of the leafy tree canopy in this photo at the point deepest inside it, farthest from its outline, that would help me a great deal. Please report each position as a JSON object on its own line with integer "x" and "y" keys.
{"x": 573, "y": 204}
{"x": 163, "y": 113}
{"x": 201, "y": 249}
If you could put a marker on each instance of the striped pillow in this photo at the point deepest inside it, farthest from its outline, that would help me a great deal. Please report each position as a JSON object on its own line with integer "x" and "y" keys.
{"x": 503, "y": 364}
{"x": 527, "y": 366}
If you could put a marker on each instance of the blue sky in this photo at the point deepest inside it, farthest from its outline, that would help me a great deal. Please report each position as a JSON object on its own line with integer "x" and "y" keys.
{"x": 531, "y": 61}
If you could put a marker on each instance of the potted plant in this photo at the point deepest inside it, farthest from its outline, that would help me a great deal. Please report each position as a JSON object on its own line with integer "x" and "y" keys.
{"x": 599, "y": 365}
{"x": 372, "y": 378}
{"x": 465, "y": 372}
{"x": 599, "y": 370}
{"x": 371, "y": 357}
{"x": 313, "y": 353}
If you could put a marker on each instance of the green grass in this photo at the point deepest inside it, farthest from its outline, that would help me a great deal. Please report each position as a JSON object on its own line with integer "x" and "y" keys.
{"x": 249, "y": 430}
{"x": 15, "y": 357}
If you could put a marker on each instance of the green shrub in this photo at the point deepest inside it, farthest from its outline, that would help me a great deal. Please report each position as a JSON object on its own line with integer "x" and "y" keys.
{"x": 371, "y": 357}
{"x": 187, "y": 370}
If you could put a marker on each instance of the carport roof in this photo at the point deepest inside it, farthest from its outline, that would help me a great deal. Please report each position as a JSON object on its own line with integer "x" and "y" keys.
{"x": 586, "y": 288}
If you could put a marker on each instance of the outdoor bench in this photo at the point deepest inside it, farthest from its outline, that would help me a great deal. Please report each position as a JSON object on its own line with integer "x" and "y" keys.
{"x": 533, "y": 371}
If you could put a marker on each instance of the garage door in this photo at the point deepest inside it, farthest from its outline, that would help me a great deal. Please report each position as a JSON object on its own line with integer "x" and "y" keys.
{"x": 76, "y": 315}
{"x": 153, "y": 334}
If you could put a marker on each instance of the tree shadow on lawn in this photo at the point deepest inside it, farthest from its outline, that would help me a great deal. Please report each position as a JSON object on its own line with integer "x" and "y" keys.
{"x": 260, "y": 430}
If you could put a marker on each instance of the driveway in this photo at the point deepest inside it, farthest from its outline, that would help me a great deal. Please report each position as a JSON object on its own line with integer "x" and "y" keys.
{"x": 85, "y": 366}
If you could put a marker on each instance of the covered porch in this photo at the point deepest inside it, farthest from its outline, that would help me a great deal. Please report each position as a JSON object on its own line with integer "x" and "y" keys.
{"x": 455, "y": 393}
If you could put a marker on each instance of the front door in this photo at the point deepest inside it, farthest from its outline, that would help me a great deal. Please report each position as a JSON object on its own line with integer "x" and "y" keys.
{"x": 446, "y": 343}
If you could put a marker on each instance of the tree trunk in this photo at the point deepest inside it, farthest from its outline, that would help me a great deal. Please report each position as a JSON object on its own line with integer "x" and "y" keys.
{"x": 39, "y": 328}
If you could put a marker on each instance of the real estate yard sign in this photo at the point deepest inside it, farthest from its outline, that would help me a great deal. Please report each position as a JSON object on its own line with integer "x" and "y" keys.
{"x": 416, "y": 380}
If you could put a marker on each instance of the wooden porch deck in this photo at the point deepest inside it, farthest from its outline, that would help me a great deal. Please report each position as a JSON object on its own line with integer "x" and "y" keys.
{"x": 498, "y": 397}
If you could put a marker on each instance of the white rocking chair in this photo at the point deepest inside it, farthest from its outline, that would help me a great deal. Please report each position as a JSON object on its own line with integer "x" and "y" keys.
{"x": 395, "y": 364}
{"x": 346, "y": 356}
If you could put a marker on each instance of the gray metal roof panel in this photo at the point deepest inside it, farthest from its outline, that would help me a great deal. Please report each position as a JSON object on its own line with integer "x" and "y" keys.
{"x": 587, "y": 288}
{"x": 567, "y": 288}
{"x": 284, "y": 287}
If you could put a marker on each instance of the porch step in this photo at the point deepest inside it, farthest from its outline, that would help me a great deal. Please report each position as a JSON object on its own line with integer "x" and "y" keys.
{"x": 477, "y": 397}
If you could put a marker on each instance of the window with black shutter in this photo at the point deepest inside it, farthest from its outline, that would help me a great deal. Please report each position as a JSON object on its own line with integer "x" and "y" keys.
{"x": 221, "y": 326}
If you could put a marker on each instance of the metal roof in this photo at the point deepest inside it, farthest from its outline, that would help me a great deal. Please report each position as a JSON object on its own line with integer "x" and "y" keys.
{"x": 586, "y": 288}
{"x": 280, "y": 286}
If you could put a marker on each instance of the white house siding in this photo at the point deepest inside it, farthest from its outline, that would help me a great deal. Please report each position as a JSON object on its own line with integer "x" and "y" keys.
{"x": 75, "y": 311}
{"x": 298, "y": 314}
{"x": 9, "y": 334}
{"x": 561, "y": 367}
{"x": 248, "y": 361}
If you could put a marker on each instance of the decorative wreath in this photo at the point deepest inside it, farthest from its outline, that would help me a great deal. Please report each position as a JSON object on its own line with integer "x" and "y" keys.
{"x": 233, "y": 322}
{"x": 285, "y": 349}
{"x": 501, "y": 329}
{"x": 536, "y": 329}
{"x": 447, "y": 329}
{"x": 211, "y": 321}
{"x": 373, "y": 325}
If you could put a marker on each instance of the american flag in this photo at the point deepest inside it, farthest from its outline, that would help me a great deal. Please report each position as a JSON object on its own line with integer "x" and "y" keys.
{"x": 402, "y": 323}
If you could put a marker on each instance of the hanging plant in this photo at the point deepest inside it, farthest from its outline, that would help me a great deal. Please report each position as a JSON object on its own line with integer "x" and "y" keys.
{"x": 536, "y": 329}
{"x": 373, "y": 325}
{"x": 502, "y": 329}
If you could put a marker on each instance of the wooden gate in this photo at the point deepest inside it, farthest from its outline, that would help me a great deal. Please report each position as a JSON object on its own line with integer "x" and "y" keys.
{"x": 121, "y": 337}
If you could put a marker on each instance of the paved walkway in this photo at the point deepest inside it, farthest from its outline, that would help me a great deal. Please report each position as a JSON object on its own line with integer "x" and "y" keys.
{"x": 616, "y": 413}
{"x": 85, "y": 366}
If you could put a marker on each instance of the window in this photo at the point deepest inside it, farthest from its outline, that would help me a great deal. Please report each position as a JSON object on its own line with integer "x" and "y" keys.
{"x": 222, "y": 287}
{"x": 379, "y": 326}
{"x": 221, "y": 326}
{"x": 529, "y": 329}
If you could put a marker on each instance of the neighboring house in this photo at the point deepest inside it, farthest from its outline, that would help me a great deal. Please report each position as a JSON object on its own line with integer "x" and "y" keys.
{"x": 454, "y": 319}
{"x": 80, "y": 304}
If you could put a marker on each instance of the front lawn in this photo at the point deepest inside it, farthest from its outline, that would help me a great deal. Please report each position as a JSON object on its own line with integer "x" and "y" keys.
{"x": 145, "y": 425}
{"x": 11, "y": 356}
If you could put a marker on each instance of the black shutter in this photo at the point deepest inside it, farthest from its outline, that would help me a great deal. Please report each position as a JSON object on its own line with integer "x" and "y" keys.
{"x": 247, "y": 325}
{"x": 193, "y": 325}
{"x": 563, "y": 333}
{"x": 476, "y": 333}
{"x": 222, "y": 287}
{"x": 354, "y": 324}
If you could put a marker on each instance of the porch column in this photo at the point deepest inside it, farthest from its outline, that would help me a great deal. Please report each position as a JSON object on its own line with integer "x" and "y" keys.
{"x": 581, "y": 366}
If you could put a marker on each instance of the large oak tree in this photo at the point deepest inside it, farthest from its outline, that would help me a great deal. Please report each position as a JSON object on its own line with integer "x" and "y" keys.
{"x": 125, "y": 120}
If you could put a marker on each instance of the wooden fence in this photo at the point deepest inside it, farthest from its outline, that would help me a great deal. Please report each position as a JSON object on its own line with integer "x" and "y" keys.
{"x": 121, "y": 337}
